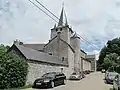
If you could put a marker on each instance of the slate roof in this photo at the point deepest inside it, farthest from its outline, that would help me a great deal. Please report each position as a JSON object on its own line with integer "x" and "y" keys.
{"x": 35, "y": 55}
{"x": 35, "y": 46}
{"x": 86, "y": 59}
{"x": 91, "y": 56}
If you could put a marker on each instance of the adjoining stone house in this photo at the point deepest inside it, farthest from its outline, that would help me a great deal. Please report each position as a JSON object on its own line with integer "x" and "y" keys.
{"x": 88, "y": 62}
{"x": 92, "y": 58}
{"x": 85, "y": 63}
{"x": 60, "y": 54}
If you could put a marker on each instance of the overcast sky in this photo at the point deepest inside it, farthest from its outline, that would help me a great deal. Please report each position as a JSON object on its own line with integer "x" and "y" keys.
{"x": 95, "y": 20}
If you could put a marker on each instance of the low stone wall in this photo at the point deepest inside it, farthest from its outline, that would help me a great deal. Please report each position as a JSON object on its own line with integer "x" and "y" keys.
{"x": 36, "y": 70}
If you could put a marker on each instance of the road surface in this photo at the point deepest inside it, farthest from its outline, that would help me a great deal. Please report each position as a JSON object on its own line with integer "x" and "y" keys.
{"x": 93, "y": 81}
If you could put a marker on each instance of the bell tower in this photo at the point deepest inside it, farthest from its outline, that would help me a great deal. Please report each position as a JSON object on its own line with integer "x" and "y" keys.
{"x": 62, "y": 28}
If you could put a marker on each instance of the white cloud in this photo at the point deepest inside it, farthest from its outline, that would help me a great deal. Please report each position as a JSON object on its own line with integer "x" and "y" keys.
{"x": 96, "y": 52}
{"x": 19, "y": 19}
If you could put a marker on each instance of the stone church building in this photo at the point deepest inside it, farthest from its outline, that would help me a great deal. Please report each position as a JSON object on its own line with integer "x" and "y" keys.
{"x": 62, "y": 53}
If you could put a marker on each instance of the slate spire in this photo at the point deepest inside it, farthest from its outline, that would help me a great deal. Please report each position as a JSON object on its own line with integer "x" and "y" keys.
{"x": 66, "y": 22}
{"x": 60, "y": 23}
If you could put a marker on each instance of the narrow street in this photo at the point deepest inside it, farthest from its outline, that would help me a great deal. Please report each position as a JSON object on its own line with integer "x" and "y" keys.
{"x": 94, "y": 81}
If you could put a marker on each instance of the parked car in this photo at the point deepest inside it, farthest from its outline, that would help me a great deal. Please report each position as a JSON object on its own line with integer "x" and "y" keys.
{"x": 75, "y": 76}
{"x": 110, "y": 75}
{"x": 116, "y": 82}
{"x": 103, "y": 70}
{"x": 50, "y": 79}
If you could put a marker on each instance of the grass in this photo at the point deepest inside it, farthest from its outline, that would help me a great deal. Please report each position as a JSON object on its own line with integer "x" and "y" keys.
{"x": 19, "y": 88}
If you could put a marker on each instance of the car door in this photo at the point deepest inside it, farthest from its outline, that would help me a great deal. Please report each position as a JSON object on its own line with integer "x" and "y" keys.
{"x": 57, "y": 79}
{"x": 119, "y": 81}
{"x": 116, "y": 82}
{"x": 62, "y": 77}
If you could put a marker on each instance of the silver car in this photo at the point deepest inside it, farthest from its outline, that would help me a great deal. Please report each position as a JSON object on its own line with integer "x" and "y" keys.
{"x": 75, "y": 76}
{"x": 116, "y": 82}
{"x": 109, "y": 77}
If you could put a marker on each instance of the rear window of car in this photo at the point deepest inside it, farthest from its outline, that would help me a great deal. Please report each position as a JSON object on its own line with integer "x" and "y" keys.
{"x": 111, "y": 69}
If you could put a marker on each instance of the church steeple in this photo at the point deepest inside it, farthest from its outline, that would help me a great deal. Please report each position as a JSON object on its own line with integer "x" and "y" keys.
{"x": 60, "y": 23}
{"x": 63, "y": 18}
{"x": 66, "y": 22}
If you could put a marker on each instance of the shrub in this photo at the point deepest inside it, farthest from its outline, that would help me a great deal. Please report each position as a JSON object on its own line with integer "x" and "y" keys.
{"x": 13, "y": 71}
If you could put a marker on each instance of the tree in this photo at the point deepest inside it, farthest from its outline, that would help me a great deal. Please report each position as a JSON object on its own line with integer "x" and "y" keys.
{"x": 3, "y": 49}
{"x": 110, "y": 60}
{"x": 13, "y": 69}
{"x": 112, "y": 46}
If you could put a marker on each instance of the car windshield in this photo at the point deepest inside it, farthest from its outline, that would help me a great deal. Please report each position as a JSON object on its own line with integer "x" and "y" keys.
{"x": 51, "y": 75}
{"x": 74, "y": 73}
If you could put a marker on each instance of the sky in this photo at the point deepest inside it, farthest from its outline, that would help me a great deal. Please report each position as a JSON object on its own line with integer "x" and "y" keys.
{"x": 95, "y": 20}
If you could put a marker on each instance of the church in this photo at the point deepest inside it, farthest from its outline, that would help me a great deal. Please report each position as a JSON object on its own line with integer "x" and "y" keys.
{"x": 62, "y": 53}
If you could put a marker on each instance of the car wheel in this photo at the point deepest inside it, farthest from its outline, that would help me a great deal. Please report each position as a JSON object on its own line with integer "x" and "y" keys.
{"x": 106, "y": 81}
{"x": 52, "y": 84}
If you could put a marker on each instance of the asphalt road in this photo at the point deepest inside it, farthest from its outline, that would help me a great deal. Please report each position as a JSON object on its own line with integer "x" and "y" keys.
{"x": 93, "y": 81}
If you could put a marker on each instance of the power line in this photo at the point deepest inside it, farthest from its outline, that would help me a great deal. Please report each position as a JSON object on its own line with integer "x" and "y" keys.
{"x": 56, "y": 18}
{"x": 88, "y": 42}
{"x": 42, "y": 11}
{"x": 47, "y": 9}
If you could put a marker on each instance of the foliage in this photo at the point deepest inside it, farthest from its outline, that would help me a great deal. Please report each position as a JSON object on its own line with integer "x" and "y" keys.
{"x": 111, "y": 60}
{"x": 13, "y": 70}
{"x": 3, "y": 49}
{"x": 109, "y": 53}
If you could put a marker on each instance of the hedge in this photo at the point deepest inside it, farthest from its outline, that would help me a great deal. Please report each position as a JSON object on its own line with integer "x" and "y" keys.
{"x": 13, "y": 71}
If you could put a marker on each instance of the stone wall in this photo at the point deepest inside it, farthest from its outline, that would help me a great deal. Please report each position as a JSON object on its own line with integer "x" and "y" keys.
{"x": 86, "y": 65}
{"x": 36, "y": 70}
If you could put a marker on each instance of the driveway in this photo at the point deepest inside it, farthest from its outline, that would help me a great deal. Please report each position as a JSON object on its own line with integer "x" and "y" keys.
{"x": 94, "y": 81}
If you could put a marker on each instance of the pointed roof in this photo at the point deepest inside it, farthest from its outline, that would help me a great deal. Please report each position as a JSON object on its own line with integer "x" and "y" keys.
{"x": 66, "y": 22}
{"x": 37, "y": 56}
{"x": 55, "y": 26}
{"x": 63, "y": 18}
{"x": 75, "y": 35}
{"x": 60, "y": 23}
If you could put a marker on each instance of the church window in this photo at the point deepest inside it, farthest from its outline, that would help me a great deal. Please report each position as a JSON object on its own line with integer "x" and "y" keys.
{"x": 63, "y": 58}
{"x": 50, "y": 53}
{"x": 60, "y": 29}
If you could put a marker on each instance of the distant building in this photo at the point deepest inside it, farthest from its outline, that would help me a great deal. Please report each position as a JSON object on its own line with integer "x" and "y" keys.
{"x": 62, "y": 53}
{"x": 92, "y": 58}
